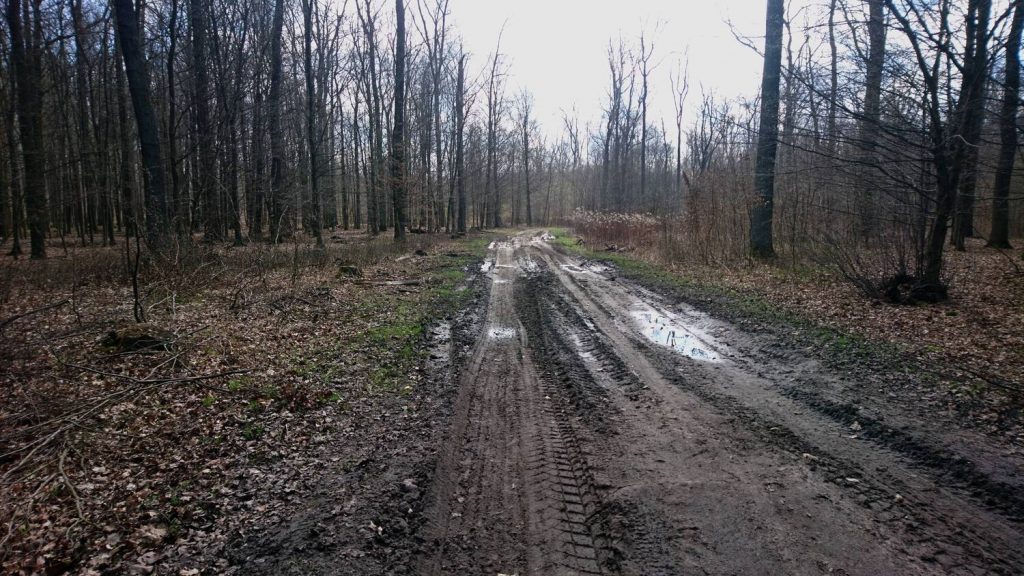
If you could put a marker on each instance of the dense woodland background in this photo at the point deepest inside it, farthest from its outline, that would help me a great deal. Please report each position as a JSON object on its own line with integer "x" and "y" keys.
{"x": 885, "y": 130}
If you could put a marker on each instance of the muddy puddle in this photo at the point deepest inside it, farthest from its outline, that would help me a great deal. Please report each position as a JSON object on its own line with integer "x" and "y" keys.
{"x": 674, "y": 332}
{"x": 502, "y": 333}
{"x": 585, "y": 268}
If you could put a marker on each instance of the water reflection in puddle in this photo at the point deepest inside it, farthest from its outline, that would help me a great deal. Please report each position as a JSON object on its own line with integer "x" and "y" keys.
{"x": 501, "y": 333}
{"x": 670, "y": 333}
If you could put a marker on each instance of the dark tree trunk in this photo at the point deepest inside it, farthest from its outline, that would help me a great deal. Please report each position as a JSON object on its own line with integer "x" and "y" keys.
{"x": 870, "y": 128}
{"x": 357, "y": 213}
{"x": 86, "y": 155}
{"x": 312, "y": 141}
{"x": 644, "y": 72}
{"x": 460, "y": 135}
{"x": 833, "y": 94}
{"x": 208, "y": 190}
{"x": 999, "y": 236}
{"x": 767, "y": 141}
{"x": 257, "y": 181}
{"x": 973, "y": 119}
{"x": 342, "y": 128}
{"x": 15, "y": 179}
{"x": 279, "y": 218}
{"x": 25, "y": 57}
{"x": 526, "y": 162}
{"x": 157, "y": 229}
{"x": 179, "y": 205}
{"x": 397, "y": 168}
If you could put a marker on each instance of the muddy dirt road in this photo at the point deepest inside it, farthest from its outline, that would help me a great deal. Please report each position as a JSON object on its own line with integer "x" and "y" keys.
{"x": 601, "y": 428}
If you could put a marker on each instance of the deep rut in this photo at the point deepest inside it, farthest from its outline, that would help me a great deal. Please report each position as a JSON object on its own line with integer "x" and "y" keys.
{"x": 513, "y": 493}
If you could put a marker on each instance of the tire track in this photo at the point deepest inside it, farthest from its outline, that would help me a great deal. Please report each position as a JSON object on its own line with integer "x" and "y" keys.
{"x": 934, "y": 523}
{"x": 514, "y": 493}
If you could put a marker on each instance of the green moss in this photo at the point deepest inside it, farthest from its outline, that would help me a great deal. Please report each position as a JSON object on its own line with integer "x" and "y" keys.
{"x": 397, "y": 331}
{"x": 252, "y": 431}
{"x": 394, "y": 345}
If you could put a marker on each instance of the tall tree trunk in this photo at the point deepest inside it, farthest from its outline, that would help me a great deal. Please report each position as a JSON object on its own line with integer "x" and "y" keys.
{"x": 256, "y": 188}
{"x": 870, "y": 127}
{"x": 128, "y": 213}
{"x": 460, "y": 144}
{"x": 129, "y": 40}
{"x": 179, "y": 204}
{"x": 342, "y": 128}
{"x": 26, "y": 60}
{"x": 974, "y": 118}
{"x": 526, "y": 161}
{"x": 86, "y": 155}
{"x": 357, "y": 213}
{"x": 208, "y": 189}
{"x": 833, "y": 94}
{"x": 644, "y": 72}
{"x": 397, "y": 168}
{"x": 311, "y": 128}
{"x": 279, "y": 218}
{"x": 767, "y": 141}
{"x": 15, "y": 179}
{"x": 999, "y": 236}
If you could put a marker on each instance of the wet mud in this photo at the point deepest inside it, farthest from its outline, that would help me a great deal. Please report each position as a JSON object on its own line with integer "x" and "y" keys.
{"x": 604, "y": 428}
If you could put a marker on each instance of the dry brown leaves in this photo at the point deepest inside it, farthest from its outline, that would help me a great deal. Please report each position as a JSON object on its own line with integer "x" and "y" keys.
{"x": 977, "y": 333}
{"x": 110, "y": 461}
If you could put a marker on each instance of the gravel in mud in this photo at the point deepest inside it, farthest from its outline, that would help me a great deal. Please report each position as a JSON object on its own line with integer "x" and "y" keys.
{"x": 590, "y": 437}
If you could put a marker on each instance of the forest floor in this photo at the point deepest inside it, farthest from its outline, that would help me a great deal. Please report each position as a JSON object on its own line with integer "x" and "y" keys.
{"x": 267, "y": 371}
{"x": 509, "y": 404}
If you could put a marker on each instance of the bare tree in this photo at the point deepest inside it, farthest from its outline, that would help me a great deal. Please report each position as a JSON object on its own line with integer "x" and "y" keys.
{"x": 680, "y": 82}
{"x": 525, "y": 108}
{"x": 460, "y": 148}
{"x": 870, "y": 122}
{"x": 397, "y": 168}
{"x": 279, "y": 218}
{"x": 137, "y": 73}
{"x": 25, "y": 57}
{"x": 999, "y": 236}
{"x": 767, "y": 141}
{"x": 312, "y": 142}
{"x": 950, "y": 135}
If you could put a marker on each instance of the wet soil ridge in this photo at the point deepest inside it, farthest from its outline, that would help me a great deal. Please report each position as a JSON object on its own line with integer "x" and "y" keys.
{"x": 582, "y": 445}
{"x": 999, "y": 496}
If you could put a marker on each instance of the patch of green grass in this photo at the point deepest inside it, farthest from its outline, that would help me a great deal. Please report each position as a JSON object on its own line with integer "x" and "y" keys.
{"x": 209, "y": 401}
{"x": 237, "y": 384}
{"x": 252, "y": 431}
{"x": 392, "y": 347}
{"x": 396, "y": 331}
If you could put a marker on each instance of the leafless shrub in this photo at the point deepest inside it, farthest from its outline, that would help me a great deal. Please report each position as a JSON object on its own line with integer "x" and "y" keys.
{"x": 889, "y": 272}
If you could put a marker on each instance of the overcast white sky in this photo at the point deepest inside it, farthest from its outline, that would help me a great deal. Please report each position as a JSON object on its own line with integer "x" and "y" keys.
{"x": 558, "y": 48}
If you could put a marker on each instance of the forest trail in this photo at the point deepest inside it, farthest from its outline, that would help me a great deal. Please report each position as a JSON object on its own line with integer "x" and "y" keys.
{"x": 601, "y": 428}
